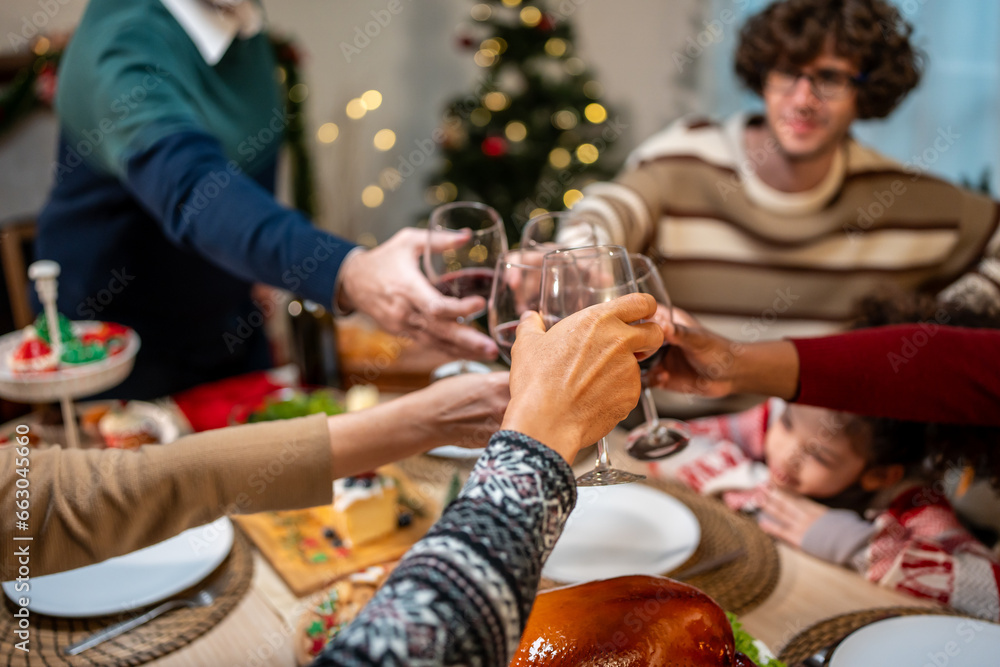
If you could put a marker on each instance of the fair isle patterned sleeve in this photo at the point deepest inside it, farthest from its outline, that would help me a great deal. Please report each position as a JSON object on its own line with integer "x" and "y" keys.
{"x": 920, "y": 548}
{"x": 462, "y": 594}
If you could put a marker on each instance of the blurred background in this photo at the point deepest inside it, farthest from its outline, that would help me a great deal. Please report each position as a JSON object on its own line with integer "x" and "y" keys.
{"x": 654, "y": 61}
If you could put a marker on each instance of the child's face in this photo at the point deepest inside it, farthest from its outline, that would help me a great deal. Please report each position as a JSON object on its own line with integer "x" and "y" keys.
{"x": 808, "y": 454}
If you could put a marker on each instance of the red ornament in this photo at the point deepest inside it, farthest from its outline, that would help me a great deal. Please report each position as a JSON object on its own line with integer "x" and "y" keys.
{"x": 466, "y": 42}
{"x": 494, "y": 146}
{"x": 546, "y": 24}
{"x": 45, "y": 84}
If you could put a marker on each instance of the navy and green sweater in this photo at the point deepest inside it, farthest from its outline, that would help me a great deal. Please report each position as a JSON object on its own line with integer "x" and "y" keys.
{"x": 162, "y": 214}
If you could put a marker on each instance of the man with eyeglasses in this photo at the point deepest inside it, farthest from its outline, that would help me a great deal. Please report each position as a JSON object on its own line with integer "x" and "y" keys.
{"x": 774, "y": 225}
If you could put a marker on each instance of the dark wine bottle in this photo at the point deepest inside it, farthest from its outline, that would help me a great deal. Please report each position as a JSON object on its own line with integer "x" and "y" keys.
{"x": 314, "y": 344}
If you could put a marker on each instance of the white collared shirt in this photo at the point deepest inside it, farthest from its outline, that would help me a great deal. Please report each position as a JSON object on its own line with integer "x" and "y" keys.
{"x": 213, "y": 29}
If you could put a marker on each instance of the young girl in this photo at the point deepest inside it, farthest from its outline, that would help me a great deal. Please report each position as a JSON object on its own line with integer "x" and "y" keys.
{"x": 861, "y": 492}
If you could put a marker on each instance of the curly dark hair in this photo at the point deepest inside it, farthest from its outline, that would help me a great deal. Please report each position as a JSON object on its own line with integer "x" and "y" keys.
{"x": 871, "y": 33}
{"x": 929, "y": 449}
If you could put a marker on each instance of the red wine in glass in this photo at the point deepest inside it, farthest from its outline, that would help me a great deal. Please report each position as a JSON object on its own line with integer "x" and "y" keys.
{"x": 466, "y": 282}
{"x": 652, "y": 360}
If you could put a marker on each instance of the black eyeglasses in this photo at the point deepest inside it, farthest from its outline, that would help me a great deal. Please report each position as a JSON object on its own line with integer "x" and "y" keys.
{"x": 826, "y": 84}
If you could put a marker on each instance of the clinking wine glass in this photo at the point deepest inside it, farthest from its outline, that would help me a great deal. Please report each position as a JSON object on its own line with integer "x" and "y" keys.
{"x": 516, "y": 290}
{"x": 575, "y": 279}
{"x": 554, "y": 231}
{"x": 466, "y": 269}
{"x": 658, "y": 437}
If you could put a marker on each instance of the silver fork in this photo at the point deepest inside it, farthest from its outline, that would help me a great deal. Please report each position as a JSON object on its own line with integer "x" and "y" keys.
{"x": 202, "y": 598}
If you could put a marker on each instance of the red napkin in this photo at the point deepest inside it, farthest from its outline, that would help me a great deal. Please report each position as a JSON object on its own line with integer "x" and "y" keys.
{"x": 209, "y": 406}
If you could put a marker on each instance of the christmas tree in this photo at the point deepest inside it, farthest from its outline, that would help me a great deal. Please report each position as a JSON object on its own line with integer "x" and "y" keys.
{"x": 533, "y": 132}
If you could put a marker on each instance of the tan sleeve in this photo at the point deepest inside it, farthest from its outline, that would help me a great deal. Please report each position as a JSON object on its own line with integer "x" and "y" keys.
{"x": 88, "y": 505}
{"x": 978, "y": 289}
{"x": 626, "y": 210}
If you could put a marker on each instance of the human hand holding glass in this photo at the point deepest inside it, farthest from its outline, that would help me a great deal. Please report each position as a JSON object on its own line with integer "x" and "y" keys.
{"x": 465, "y": 270}
{"x": 575, "y": 279}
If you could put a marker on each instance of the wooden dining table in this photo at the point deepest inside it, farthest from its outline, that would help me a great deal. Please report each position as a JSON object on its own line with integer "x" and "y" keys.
{"x": 262, "y": 629}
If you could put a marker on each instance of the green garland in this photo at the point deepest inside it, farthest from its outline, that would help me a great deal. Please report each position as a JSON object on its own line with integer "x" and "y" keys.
{"x": 33, "y": 88}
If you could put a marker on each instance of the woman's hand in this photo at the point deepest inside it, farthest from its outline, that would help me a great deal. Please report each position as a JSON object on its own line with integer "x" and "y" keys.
{"x": 571, "y": 384}
{"x": 462, "y": 410}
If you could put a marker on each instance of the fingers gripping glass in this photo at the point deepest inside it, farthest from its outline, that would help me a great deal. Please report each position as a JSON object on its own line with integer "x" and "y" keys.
{"x": 575, "y": 279}
{"x": 826, "y": 84}
{"x": 466, "y": 268}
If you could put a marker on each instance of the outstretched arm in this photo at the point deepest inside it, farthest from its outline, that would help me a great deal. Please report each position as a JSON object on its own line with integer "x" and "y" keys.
{"x": 918, "y": 372}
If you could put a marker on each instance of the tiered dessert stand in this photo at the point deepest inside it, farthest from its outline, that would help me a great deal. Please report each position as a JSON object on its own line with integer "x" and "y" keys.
{"x": 66, "y": 382}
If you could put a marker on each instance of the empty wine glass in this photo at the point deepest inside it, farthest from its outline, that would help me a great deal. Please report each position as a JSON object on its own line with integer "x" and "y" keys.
{"x": 658, "y": 437}
{"x": 552, "y": 231}
{"x": 467, "y": 269}
{"x": 575, "y": 279}
{"x": 516, "y": 289}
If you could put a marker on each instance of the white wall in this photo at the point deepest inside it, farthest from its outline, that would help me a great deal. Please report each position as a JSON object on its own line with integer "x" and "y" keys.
{"x": 415, "y": 63}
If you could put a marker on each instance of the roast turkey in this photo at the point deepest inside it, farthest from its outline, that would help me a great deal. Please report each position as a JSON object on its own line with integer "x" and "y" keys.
{"x": 633, "y": 621}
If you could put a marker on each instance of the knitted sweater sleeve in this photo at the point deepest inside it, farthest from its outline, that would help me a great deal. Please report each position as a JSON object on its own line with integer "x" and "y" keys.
{"x": 920, "y": 548}
{"x": 899, "y": 372}
{"x": 462, "y": 595}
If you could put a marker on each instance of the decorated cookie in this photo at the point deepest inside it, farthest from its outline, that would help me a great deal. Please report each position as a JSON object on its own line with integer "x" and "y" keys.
{"x": 65, "y": 328}
{"x": 77, "y": 352}
{"x": 336, "y": 607}
{"x": 33, "y": 355}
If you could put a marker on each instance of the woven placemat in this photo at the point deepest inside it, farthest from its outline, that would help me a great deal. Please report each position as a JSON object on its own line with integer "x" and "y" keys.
{"x": 741, "y": 584}
{"x": 738, "y": 586}
{"x": 147, "y": 642}
{"x": 832, "y": 630}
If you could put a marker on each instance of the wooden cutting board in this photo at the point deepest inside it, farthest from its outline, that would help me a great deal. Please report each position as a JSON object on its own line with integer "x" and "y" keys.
{"x": 294, "y": 544}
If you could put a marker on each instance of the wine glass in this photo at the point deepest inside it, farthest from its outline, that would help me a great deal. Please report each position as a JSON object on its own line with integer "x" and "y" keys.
{"x": 575, "y": 279}
{"x": 467, "y": 269}
{"x": 657, "y": 438}
{"x": 516, "y": 289}
{"x": 552, "y": 231}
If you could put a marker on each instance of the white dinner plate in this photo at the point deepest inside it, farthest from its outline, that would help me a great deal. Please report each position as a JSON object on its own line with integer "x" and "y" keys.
{"x": 131, "y": 581}
{"x": 921, "y": 640}
{"x": 456, "y": 452}
{"x": 620, "y": 530}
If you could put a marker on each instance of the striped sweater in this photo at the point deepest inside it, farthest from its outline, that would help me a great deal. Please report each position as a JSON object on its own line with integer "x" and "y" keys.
{"x": 756, "y": 263}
